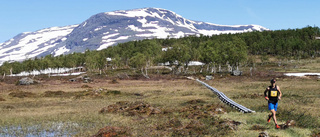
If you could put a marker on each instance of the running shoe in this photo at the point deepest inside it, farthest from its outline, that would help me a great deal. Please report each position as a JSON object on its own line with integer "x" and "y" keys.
{"x": 277, "y": 126}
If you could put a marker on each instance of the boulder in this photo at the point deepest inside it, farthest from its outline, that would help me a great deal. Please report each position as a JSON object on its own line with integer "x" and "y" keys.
{"x": 263, "y": 134}
{"x": 208, "y": 77}
{"x": 26, "y": 81}
{"x": 237, "y": 73}
{"x": 289, "y": 123}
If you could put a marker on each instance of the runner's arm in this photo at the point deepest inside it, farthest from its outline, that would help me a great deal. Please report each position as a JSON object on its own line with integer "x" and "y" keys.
{"x": 279, "y": 92}
{"x": 265, "y": 94}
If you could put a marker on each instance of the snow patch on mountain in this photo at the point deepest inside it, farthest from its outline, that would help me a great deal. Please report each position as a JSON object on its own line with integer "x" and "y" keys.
{"x": 31, "y": 44}
{"x": 134, "y": 28}
{"x": 60, "y": 51}
{"x": 107, "y": 29}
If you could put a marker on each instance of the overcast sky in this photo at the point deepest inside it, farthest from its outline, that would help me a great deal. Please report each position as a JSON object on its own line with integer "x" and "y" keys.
{"x": 17, "y": 16}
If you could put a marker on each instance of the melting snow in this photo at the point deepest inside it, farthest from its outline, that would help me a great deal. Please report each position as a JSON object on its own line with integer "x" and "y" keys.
{"x": 106, "y": 45}
{"x": 110, "y": 42}
{"x": 195, "y": 63}
{"x": 84, "y": 24}
{"x": 109, "y": 36}
{"x": 302, "y": 74}
{"x": 99, "y": 28}
{"x": 61, "y": 50}
{"x": 55, "y": 72}
{"x": 134, "y": 28}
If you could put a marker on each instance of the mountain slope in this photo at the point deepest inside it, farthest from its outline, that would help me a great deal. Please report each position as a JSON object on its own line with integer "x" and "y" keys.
{"x": 107, "y": 29}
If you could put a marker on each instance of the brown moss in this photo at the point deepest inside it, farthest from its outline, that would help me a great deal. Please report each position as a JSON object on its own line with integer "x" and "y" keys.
{"x": 201, "y": 111}
{"x": 21, "y": 94}
{"x": 54, "y": 93}
{"x": 109, "y": 131}
{"x": 194, "y": 128}
{"x": 195, "y": 101}
{"x": 316, "y": 133}
{"x": 258, "y": 127}
{"x": 131, "y": 108}
{"x": 8, "y": 107}
{"x": 229, "y": 124}
{"x": 114, "y": 81}
{"x": 2, "y": 99}
{"x": 85, "y": 86}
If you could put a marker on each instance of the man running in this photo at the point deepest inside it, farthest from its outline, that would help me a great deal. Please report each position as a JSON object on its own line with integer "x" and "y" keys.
{"x": 274, "y": 94}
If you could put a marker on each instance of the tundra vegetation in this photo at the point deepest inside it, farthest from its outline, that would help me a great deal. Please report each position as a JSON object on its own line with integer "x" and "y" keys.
{"x": 122, "y": 102}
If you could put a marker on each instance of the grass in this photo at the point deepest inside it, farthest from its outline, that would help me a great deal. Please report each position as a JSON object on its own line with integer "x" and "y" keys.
{"x": 62, "y": 108}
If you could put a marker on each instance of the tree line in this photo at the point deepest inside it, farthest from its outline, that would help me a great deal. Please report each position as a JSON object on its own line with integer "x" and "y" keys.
{"x": 215, "y": 50}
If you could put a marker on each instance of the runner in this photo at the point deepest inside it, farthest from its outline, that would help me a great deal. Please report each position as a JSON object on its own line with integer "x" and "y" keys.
{"x": 274, "y": 94}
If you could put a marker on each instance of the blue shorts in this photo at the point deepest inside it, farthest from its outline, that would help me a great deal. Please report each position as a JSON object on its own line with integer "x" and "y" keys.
{"x": 273, "y": 106}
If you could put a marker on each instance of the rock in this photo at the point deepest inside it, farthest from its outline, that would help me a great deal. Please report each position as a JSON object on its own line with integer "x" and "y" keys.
{"x": 26, "y": 81}
{"x": 263, "y": 134}
{"x": 87, "y": 79}
{"x": 289, "y": 123}
{"x": 72, "y": 80}
{"x": 84, "y": 78}
{"x": 237, "y": 73}
{"x": 209, "y": 77}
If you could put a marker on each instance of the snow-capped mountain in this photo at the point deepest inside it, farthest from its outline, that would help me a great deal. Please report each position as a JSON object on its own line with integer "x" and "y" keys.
{"x": 107, "y": 29}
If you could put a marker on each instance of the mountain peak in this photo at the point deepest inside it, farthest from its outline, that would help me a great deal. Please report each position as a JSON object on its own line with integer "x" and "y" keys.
{"x": 109, "y": 28}
{"x": 143, "y": 12}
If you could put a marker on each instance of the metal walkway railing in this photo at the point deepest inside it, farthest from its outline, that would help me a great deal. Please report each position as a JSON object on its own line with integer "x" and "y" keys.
{"x": 227, "y": 100}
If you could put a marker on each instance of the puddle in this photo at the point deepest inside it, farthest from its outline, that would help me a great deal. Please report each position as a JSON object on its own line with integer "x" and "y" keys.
{"x": 49, "y": 130}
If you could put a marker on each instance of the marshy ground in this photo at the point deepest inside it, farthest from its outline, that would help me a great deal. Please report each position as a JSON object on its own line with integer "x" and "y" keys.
{"x": 160, "y": 106}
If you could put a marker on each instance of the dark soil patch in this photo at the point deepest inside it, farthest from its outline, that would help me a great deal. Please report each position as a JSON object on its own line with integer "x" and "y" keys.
{"x": 109, "y": 131}
{"x": 194, "y": 128}
{"x": 202, "y": 111}
{"x": 258, "y": 127}
{"x": 113, "y": 92}
{"x": 56, "y": 94}
{"x": 229, "y": 124}
{"x": 316, "y": 133}
{"x": 131, "y": 109}
{"x": 201, "y": 127}
{"x": 195, "y": 101}
{"x": 114, "y": 81}
{"x": 8, "y": 107}
{"x": 91, "y": 93}
{"x": 85, "y": 86}
{"x": 21, "y": 94}
{"x": 171, "y": 124}
{"x": 2, "y": 99}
